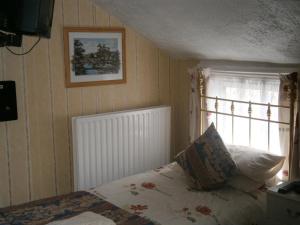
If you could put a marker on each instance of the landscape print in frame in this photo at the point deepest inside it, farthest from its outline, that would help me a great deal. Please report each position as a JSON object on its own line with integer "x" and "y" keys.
{"x": 94, "y": 56}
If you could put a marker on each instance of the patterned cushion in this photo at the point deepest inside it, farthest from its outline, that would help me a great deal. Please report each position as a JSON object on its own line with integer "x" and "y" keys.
{"x": 206, "y": 162}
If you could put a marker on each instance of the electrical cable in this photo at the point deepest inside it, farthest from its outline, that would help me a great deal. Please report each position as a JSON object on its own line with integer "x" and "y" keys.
{"x": 24, "y": 53}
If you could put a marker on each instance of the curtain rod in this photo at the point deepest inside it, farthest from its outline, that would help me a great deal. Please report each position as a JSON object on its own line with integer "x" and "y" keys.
{"x": 247, "y": 74}
{"x": 249, "y": 66}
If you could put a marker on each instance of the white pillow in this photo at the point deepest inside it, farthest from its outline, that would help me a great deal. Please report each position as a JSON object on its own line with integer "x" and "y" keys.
{"x": 259, "y": 165}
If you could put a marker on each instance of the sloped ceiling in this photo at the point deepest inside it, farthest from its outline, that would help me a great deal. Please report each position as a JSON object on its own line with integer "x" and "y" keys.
{"x": 244, "y": 30}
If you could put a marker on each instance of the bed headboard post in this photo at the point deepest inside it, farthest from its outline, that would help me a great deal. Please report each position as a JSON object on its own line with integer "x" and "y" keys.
{"x": 201, "y": 83}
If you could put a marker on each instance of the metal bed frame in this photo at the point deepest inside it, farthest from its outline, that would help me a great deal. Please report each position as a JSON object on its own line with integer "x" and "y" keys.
{"x": 291, "y": 107}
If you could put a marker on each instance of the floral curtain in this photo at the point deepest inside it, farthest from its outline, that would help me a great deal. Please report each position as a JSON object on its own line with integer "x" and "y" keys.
{"x": 291, "y": 167}
{"x": 294, "y": 154}
{"x": 284, "y": 130}
{"x": 194, "y": 105}
{"x": 194, "y": 110}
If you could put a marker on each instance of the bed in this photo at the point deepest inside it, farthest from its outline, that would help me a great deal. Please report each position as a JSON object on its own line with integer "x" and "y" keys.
{"x": 160, "y": 196}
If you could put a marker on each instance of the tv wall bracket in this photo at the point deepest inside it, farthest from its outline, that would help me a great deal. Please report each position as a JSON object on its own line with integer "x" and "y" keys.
{"x": 9, "y": 39}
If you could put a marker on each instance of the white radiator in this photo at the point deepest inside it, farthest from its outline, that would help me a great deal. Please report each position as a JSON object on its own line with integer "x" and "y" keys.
{"x": 110, "y": 146}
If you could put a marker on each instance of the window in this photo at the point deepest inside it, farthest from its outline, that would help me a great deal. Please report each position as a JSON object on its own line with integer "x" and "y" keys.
{"x": 245, "y": 87}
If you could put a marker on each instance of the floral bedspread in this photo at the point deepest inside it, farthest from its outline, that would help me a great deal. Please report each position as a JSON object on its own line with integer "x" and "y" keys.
{"x": 163, "y": 196}
{"x": 44, "y": 211}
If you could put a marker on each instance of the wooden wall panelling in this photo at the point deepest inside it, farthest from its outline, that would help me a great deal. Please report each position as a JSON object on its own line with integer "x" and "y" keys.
{"x": 173, "y": 97}
{"x": 182, "y": 99}
{"x": 141, "y": 91}
{"x": 152, "y": 75}
{"x": 147, "y": 73}
{"x": 89, "y": 94}
{"x": 74, "y": 95}
{"x": 154, "y": 71}
{"x": 120, "y": 96}
{"x": 178, "y": 108}
{"x": 5, "y": 199}
{"x": 105, "y": 93}
{"x": 40, "y": 119}
{"x": 16, "y": 132}
{"x": 4, "y": 163}
{"x": 59, "y": 103}
{"x": 101, "y": 17}
{"x": 139, "y": 98}
{"x": 71, "y": 18}
{"x": 130, "y": 90}
{"x": 164, "y": 65}
{"x": 183, "y": 87}
{"x": 164, "y": 78}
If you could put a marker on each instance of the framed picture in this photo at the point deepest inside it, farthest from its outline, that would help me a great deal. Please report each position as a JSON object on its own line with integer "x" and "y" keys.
{"x": 94, "y": 56}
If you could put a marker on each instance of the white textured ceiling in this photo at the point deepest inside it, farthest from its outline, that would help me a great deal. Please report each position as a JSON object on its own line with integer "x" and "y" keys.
{"x": 244, "y": 30}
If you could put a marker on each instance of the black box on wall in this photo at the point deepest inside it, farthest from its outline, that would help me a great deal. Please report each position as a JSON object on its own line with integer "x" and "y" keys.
{"x": 8, "y": 101}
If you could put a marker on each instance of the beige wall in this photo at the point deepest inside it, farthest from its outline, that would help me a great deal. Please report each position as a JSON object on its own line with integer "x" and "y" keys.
{"x": 35, "y": 150}
{"x": 181, "y": 104}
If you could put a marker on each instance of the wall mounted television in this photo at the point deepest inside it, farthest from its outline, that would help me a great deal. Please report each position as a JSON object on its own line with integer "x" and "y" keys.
{"x": 29, "y": 17}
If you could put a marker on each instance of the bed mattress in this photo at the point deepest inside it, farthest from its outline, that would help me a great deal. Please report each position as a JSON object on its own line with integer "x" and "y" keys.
{"x": 162, "y": 195}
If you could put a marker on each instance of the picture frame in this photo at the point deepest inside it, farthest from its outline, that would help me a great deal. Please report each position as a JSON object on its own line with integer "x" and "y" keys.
{"x": 94, "y": 56}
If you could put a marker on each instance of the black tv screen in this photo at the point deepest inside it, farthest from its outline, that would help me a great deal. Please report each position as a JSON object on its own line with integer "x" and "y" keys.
{"x": 10, "y": 15}
{"x": 37, "y": 17}
{"x": 31, "y": 17}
